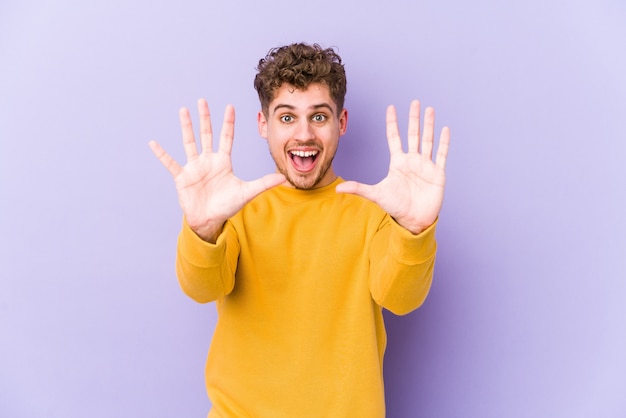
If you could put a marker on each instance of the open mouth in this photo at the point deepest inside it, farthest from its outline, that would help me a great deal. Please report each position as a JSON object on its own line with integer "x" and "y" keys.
{"x": 303, "y": 161}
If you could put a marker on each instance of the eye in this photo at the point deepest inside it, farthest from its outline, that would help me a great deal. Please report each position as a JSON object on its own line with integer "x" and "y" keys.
{"x": 319, "y": 117}
{"x": 286, "y": 118}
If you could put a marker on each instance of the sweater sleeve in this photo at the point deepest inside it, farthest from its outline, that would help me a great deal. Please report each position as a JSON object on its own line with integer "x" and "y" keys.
{"x": 402, "y": 266}
{"x": 205, "y": 271}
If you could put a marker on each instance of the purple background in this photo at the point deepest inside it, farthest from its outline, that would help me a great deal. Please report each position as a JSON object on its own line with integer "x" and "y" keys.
{"x": 527, "y": 314}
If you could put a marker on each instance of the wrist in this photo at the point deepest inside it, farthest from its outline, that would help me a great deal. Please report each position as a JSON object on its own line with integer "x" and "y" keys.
{"x": 207, "y": 231}
{"x": 414, "y": 228}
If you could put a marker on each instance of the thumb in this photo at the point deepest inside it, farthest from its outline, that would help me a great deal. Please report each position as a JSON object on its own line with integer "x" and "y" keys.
{"x": 272, "y": 180}
{"x": 360, "y": 189}
{"x": 258, "y": 186}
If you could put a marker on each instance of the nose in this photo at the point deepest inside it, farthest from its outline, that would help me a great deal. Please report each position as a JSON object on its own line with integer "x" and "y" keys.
{"x": 304, "y": 131}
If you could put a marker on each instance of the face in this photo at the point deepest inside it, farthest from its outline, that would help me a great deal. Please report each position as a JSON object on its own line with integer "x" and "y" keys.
{"x": 302, "y": 129}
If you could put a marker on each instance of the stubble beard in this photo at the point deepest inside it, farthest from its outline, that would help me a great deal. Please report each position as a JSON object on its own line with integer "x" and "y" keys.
{"x": 305, "y": 181}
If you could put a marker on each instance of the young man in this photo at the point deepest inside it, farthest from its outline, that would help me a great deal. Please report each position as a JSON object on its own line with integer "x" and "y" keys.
{"x": 301, "y": 263}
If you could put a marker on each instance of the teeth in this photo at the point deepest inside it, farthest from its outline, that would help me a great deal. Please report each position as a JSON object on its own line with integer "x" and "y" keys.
{"x": 304, "y": 154}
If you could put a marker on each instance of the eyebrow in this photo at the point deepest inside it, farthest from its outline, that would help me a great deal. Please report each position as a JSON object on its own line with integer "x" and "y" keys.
{"x": 313, "y": 107}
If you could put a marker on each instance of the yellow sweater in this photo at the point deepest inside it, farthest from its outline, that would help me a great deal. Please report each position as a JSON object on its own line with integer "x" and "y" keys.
{"x": 300, "y": 279}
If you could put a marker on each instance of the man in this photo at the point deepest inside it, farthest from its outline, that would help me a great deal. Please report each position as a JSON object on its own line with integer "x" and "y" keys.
{"x": 299, "y": 262}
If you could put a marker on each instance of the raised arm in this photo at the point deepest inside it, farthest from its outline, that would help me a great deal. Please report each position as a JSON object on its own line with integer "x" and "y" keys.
{"x": 208, "y": 191}
{"x": 412, "y": 192}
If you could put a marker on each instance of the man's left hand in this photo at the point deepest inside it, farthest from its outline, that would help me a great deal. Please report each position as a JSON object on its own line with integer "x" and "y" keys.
{"x": 412, "y": 193}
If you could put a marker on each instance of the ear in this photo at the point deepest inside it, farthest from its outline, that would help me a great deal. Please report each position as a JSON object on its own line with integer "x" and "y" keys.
{"x": 343, "y": 121}
{"x": 262, "y": 124}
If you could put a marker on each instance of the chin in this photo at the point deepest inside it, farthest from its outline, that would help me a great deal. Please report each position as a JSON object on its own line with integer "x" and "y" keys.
{"x": 311, "y": 180}
{"x": 303, "y": 184}
{"x": 306, "y": 181}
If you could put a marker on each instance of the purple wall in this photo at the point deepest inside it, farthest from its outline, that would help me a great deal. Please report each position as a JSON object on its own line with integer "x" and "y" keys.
{"x": 527, "y": 314}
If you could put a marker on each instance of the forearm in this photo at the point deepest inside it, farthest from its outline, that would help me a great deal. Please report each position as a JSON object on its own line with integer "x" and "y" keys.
{"x": 402, "y": 268}
{"x": 205, "y": 271}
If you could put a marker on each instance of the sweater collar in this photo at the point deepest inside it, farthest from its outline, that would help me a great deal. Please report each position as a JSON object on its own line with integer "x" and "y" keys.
{"x": 296, "y": 195}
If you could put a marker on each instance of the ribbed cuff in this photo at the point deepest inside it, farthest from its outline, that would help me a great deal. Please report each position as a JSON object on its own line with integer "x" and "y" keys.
{"x": 199, "y": 252}
{"x": 413, "y": 249}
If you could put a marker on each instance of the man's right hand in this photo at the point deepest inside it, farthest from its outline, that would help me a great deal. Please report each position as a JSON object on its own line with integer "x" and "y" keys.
{"x": 208, "y": 191}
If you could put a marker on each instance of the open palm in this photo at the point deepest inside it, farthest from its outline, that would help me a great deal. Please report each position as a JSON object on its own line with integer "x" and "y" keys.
{"x": 412, "y": 193}
{"x": 208, "y": 191}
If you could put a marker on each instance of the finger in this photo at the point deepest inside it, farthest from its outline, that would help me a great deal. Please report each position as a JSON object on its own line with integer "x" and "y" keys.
{"x": 167, "y": 161}
{"x": 442, "y": 150}
{"x": 228, "y": 130}
{"x": 393, "y": 136}
{"x": 189, "y": 142}
{"x": 256, "y": 187}
{"x": 429, "y": 132}
{"x": 352, "y": 187}
{"x": 414, "y": 126}
{"x": 206, "y": 131}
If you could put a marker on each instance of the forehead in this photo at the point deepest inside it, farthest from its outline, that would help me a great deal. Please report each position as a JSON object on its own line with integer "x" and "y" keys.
{"x": 288, "y": 96}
